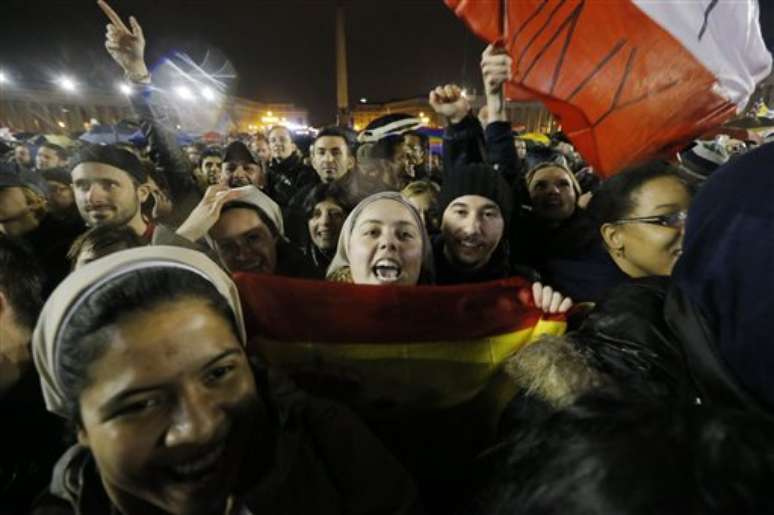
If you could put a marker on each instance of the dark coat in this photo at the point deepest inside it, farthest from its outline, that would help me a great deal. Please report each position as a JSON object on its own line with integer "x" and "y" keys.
{"x": 722, "y": 301}
{"x": 448, "y": 273}
{"x": 317, "y": 259}
{"x": 50, "y": 242}
{"x": 169, "y": 158}
{"x": 627, "y": 337}
{"x": 31, "y": 440}
{"x": 288, "y": 177}
{"x": 291, "y": 262}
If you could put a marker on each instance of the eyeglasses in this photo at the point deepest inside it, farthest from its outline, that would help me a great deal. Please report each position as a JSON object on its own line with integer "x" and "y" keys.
{"x": 676, "y": 219}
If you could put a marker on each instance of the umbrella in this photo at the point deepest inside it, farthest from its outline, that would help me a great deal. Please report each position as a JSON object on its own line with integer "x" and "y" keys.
{"x": 58, "y": 139}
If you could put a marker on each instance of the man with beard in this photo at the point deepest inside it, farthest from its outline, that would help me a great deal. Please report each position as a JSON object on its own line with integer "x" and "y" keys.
{"x": 476, "y": 206}
{"x": 110, "y": 186}
{"x": 287, "y": 172}
{"x": 240, "y": 168}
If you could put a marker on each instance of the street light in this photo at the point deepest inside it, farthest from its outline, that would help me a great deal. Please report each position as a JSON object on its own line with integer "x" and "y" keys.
{"x": 67, "y": 84}
{"x": 184, "y": 92}
{"x": 124, "y": 88}
{"x": 3, "y": 78}
{"x": 208, "y": 94}
{"x": 364, "y": 100}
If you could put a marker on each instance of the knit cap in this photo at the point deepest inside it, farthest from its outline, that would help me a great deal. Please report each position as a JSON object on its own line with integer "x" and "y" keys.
{"x": 476, "y": 179}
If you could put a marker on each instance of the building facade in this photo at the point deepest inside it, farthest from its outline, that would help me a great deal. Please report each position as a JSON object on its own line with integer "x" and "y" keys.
{"x": 524, "y": 116}
{"x": 61, "y": 112}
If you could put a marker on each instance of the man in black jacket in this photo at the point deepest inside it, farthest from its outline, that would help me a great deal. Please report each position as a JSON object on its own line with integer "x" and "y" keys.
{"x": 476, "y": 206}
{"x": 287, "y": 172}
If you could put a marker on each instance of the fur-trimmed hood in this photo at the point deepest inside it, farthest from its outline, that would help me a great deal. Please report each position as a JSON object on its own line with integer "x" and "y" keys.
{"x": 554, "y": 370}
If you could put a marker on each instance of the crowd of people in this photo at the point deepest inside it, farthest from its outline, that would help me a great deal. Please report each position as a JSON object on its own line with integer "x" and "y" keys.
{"x": 126, "y": 385}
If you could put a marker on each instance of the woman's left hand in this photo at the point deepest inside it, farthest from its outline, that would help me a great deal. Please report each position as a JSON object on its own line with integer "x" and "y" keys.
{"x": 550, "y": 301}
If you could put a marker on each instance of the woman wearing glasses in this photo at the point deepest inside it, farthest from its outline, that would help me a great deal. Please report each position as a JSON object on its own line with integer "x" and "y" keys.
{"x": 641, "y": 217}
{"x": 632, "y": 228}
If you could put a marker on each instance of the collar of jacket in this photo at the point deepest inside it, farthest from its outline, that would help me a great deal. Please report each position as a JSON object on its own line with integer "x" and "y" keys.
{"x": 292, "y": 162}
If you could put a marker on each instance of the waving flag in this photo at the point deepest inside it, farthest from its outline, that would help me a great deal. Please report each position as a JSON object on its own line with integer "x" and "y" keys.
{"x": 628, "y": 79}
{"x": 390, "y": 348}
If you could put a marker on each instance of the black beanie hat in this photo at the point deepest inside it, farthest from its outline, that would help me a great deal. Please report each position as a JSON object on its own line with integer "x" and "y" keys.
{"x": 238, "y": 152}
{"x": 57, "y": 174}
{"x": 114, "y": 156}
{"x": 476, "y": 179}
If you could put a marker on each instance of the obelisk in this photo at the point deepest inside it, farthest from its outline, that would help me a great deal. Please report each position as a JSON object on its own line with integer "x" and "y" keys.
{"x": 343, "y": 118}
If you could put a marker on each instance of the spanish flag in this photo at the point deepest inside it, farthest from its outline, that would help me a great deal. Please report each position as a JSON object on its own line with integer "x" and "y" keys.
{"x": 390, "y": 348}
{"x": 418, "y": 363}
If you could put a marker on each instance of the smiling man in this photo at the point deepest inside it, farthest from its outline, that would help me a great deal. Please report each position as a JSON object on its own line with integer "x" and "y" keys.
{"x": 476, "y": 206}
{"x": 110, "y": 185}
{"x": 287, "y": 172}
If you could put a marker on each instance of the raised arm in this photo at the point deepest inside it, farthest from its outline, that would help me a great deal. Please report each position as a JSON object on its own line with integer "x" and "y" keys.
{"x": 463, "y": 139}
{"x": 126, "y": 45}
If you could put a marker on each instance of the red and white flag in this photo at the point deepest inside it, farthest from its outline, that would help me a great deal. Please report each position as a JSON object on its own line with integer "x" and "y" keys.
{"x": 628, "y": 79}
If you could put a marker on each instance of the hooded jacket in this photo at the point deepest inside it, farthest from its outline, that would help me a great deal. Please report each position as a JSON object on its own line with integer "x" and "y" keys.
{"x": 721, "y": 302}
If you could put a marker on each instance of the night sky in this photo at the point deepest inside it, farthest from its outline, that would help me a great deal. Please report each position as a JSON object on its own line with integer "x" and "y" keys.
{"x": 283, "y": 51}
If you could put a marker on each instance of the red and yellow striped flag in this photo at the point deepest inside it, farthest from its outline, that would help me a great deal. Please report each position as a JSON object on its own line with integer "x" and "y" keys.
{"x": 390, "y": 348}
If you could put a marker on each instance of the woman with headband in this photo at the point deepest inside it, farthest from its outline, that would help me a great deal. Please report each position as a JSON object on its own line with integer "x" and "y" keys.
{"x": 143, "y": 352}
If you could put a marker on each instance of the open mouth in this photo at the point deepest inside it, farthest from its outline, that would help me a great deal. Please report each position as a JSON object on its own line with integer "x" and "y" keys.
{"x": 387, "y": 270}
{"x": 470, "y": 245}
